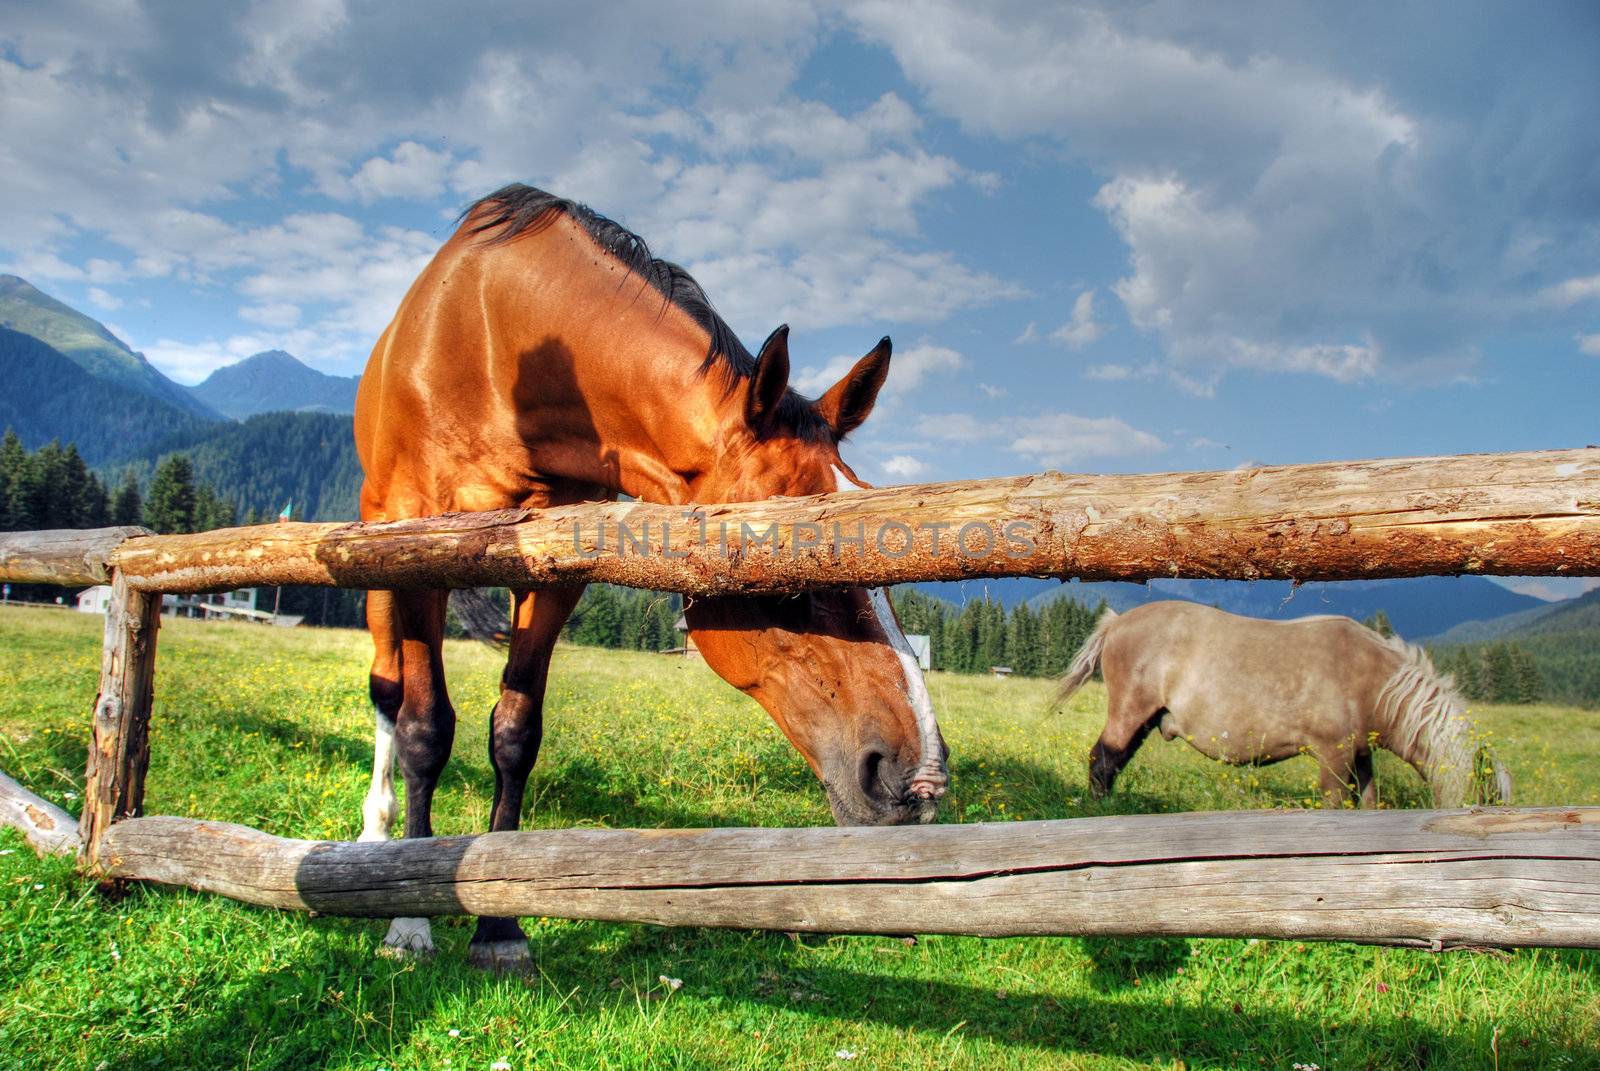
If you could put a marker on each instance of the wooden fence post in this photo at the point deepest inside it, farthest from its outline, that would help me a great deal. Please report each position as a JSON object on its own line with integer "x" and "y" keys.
{"x": 119, "y": 751}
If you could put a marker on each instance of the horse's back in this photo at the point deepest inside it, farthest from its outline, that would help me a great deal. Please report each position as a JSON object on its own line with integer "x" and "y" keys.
{"x": 1243, "y": 687}
{"x": 444, "y": 406}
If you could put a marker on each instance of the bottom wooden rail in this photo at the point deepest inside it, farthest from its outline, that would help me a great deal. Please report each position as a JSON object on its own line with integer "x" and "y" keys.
{"x": 1432, "y": 878}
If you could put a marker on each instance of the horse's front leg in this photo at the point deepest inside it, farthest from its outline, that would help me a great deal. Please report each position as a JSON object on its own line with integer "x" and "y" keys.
{"x": 424, "y": 730}
{"x": 516, "y": 729}
{"x": 1338, "y": 781}
{"x": 1366, "y": 782}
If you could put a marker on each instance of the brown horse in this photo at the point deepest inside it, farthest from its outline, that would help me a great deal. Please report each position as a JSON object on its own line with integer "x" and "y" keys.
{"x": 1252, "y": 692}
{"x": 543, "y": 358}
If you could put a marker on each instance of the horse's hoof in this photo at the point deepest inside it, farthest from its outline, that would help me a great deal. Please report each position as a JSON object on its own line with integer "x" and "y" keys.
{"x": 408, "y": 939}
{"x": 501, "y": 957}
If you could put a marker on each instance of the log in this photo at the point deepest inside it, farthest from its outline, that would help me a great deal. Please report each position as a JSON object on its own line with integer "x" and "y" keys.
{"x": 47, "y": 828}
{"x": 1437, "y": 879}
{"x": 119, "y": 746}
{"x": 67, "y": 556}
{"x": 1528, "y": 514}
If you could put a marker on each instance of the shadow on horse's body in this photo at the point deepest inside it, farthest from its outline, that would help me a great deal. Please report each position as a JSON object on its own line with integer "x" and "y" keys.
{"x": 1249, "y": 692}
{"x": 544, "y": 358}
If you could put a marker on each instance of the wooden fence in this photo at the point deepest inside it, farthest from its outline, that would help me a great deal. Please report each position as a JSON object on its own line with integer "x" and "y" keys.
{"x": 1504, "y": 877}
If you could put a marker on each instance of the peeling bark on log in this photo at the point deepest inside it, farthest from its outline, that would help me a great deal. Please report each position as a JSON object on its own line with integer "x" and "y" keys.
{"x": 66, "y": 556}
{"x": 119, "y": 748}
{"x": 47, "y": 828}
{"x": 1431, "y": 878}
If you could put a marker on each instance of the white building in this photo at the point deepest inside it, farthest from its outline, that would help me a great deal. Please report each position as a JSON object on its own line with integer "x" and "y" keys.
{"x": 237, "y": 605}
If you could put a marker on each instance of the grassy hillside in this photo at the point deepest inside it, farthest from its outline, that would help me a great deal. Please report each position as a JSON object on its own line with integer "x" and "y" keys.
{"x": 47, "y": 397}
{"x": 1564, "y": 641}
{"x": 268, "y": 460}
{"x": 87, "y": 343}
{"x": 272, "y": 727}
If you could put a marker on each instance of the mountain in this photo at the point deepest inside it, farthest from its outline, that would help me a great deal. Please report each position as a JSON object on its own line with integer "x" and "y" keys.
{"x": 1420, "y": 606}
{"x": 1498, "y": 627}
{"x": 274, "y": 381}
{"x": 88, "y": 344}
{"x": 260, "y": 464}
{"x": 48, "y": 396}
{"x": 1562, "y": 638}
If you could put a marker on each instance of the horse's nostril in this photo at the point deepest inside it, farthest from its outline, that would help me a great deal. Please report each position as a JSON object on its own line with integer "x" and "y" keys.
{"x": 871, "y": 769}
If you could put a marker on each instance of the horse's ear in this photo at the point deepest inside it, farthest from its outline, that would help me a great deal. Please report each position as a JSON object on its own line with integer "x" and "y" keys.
{"x": 769, "y": 381}
{"x": 848, "y": 402}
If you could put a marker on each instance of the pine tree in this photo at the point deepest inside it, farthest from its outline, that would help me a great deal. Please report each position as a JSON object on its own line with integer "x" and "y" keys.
{"x": 127, "y": 507}
{"x": 170, "y": 506}
{"x": 13, "y": 459}
{"x": 600, "y": 623}
{"x": 1022, "y": 646}
{"x": 1379, "y": 623}
{"x": 1527, "y": 681}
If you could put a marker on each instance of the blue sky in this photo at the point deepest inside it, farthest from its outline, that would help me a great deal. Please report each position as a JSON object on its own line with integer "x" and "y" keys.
{"x": 1121, "y": 238}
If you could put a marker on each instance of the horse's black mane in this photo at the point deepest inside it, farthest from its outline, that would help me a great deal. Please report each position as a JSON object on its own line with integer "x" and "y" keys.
{"x": 517, "y": 209}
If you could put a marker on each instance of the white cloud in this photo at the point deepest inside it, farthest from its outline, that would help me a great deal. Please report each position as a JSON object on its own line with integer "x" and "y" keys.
{"x": 281, "y": 314}
{"x": 412, "y": 171}
{"x": 991, "y": 391}
{"x": 904, "y": 465}
{"x": 1572, "y": 291}
{"x": 1291, "y": 198}
{"x": 1082, "y": 329}
{"x": 955, "y": 427}
{"x": 1110, "y": 373}
{"x": 1589, "y": 344}
{"x": 908, "y": 368}
{"x": 1056, "y": 440}
{"x": 785, "y": 208}
{"x": 103, "y": 300}
{"x": 1030, "y": 334}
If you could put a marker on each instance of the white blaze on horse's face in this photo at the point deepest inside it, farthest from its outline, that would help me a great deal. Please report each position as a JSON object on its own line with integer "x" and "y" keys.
{"x": 931, "y": 780}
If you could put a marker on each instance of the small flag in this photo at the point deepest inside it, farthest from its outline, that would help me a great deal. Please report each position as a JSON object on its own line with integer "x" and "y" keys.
{"x": 288, "y": 509}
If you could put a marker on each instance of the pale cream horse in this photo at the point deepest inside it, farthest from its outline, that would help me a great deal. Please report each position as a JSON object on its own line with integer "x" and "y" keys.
{"x": 1252, "y": 692}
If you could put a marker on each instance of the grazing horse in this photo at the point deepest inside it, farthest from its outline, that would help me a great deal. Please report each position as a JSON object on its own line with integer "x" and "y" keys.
{"x": 1252, "y": 692}
{"x": 543, "y": 358}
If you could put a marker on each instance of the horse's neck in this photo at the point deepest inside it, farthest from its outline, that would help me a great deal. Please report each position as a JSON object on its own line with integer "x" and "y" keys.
{"x": 1417, "y": 718}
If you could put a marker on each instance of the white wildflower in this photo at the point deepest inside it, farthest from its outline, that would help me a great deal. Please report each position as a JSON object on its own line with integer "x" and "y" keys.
{"x": 844, "y": 1054}
{"x": 671, "y": 983}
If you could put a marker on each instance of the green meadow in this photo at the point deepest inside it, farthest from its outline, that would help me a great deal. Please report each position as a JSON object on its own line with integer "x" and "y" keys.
{"x": 272, "y": 728}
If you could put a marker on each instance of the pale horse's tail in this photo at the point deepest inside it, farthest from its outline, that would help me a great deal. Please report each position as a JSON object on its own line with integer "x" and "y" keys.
{"x": 1088, "y": 657}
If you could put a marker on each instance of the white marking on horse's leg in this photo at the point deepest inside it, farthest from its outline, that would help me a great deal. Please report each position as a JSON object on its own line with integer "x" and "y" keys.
{"x": 407, "y": 937}
{"x": 379, "y": 809}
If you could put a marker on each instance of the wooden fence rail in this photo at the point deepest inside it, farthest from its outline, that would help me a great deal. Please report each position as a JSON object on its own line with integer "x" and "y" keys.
{"x": 1527, "y": 514}
{"x": 1435, "y": 879}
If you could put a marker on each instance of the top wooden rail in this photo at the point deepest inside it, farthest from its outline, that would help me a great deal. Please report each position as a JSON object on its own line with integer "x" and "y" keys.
{"x": 1522, "y": 514}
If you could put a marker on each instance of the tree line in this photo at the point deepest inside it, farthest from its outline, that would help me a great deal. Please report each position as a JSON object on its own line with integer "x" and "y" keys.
{"x": 52, "y": 487}
{"x": 982, "y": 634}
{"x": 1501, "y": 672}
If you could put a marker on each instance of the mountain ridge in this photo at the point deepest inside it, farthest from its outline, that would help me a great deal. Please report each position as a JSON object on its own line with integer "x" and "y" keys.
{"x": 275, "y": 381}
{"x": 88, "y": 343}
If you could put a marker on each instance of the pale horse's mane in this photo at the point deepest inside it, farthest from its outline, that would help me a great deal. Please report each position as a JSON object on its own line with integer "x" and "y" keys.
{"x": 1428, "y": 723}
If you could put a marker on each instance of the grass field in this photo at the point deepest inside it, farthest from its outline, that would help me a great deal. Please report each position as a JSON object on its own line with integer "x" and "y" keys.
{"x": 272, "y": 728}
